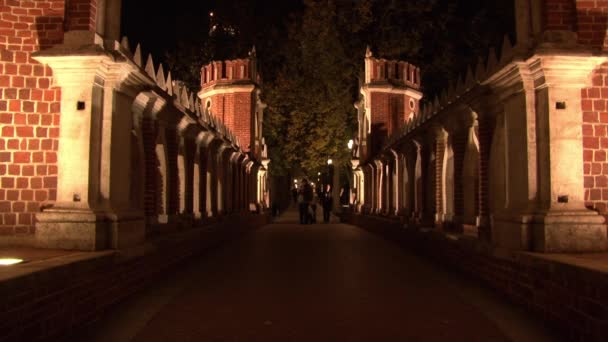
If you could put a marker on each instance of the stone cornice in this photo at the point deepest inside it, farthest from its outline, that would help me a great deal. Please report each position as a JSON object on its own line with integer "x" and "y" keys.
{"x": 387, "y": 87}
{"x": 226, "y": 88}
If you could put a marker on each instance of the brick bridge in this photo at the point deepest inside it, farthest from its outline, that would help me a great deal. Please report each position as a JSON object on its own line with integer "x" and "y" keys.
{"x": 113, "y": 174}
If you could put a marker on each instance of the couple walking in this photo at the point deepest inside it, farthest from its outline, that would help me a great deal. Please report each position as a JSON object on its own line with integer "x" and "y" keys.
{"x": 308, "y": 200}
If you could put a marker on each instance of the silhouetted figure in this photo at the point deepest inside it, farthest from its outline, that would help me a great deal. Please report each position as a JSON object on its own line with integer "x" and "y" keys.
{"x": 327, "y": 202}
{"x": 294, "y": 193}
{"x": 304, "y": 199}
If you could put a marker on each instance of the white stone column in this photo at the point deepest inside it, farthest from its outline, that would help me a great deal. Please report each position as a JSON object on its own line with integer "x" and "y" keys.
{"x": 93, "y": 209}
{"x": 561, "y": 222}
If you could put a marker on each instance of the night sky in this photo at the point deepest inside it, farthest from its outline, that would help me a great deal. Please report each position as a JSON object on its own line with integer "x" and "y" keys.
{"x": 158, "y": 28}
{"x": 264, "y": 23}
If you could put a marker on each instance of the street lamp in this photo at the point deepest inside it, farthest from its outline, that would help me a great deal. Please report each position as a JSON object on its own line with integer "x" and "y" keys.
{"x": 350, "y": 144}
{"x": 329, "y": 161}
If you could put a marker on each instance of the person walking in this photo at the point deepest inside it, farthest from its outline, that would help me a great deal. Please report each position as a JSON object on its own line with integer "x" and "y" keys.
{"x": 313, "y": 207}
{"x": 294, "y": 193}
{"x": 327, "y": 203}
{"x": 304, "y": 199}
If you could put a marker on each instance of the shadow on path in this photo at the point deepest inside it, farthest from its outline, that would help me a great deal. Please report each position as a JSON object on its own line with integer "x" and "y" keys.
{"x": 321, "y": 282}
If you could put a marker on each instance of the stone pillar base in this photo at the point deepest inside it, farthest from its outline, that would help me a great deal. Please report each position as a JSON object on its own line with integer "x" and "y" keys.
{"x": 552, "y": 232}
{"x": 570, "y": 231}
{"x": 87, "y": 230}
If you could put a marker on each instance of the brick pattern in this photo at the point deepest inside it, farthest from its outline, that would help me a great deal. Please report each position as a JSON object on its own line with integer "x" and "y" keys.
{"x": 484, "y": 131}
{"x": 236, "y": 111}
{"x": 572, "y": 300}
{"x": 459, "y": 144}
{"x": 440, "y": 147}
{"x": 560, "y": 14}
{"x": 173, "y": 178}
{"x": 221, "y": 72}
{"x": 595, "y": 140}
{"x": 81, "y": 15}
{"x": 29, "y": 112}
{"x": 399, "y": 71}
{"x": 592, "y": 18}
{"x": 152, "y": 200}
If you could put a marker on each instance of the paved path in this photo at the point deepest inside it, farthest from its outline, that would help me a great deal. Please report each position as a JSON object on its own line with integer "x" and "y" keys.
{"x": 323, "y": 282}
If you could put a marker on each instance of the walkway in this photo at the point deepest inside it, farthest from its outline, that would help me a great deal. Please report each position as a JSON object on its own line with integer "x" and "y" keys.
{"x": 323, "y": 282}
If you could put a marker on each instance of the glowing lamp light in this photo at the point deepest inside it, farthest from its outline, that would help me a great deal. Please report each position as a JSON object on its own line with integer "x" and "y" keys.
{"x": 318, "y": 173}
{"x": 295, "y": 181}
{"x": 211, "y": 14}
{"x": 350, "y": 144}
{"x": 9, "y": 261}
{"x": 329, "y": 161}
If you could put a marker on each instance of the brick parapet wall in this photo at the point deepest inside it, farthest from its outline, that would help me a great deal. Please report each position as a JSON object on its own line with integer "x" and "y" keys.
{"x": 76, "y": 293}
{"x": 595, "y": 140}
{"x": 571, "y": 299}
{"x": 591, "y": 20}
{"x": 29, "y": 113}
{"x": 236, "y": 111}
{"x": 81, "y": 15}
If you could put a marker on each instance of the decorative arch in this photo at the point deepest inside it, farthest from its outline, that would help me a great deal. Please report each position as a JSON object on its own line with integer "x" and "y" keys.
{"x": 162, "y": 176}
{"x": 448, "y": 181}
{"x": 470, "y": 179}
{"x": 497, "y": 169}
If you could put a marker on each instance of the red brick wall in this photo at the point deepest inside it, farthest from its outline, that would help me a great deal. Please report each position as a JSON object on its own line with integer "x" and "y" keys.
{"x": 29, "y": 112}
{"x": 81, "y": 15}
{"x": 559, "y": 14}
{"x": 595, "y": 140}
{"x": 243, "y": 117}
{"x": 236, "y": 112}
{"x": 592, "y": 16}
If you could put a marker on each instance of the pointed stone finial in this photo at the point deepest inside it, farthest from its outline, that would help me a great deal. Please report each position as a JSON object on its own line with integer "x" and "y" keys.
{"x": 150, "y": 67}
{"x": 368, "y": 52}
{"x": 451, "y": 91}
{"x": 160, "y": 77}
{"x": 470, "y": 78}
{"x": 124, "y": 44}
{"x": 184, "y": 98}
{"x": 197, "y": 109}
{"x": 506, "y": 52}
{"x": 492, "y": 62}
{"x": 169, "y": 84}
{"x": 479, "y": 70}
{"x": 191, "y": 102}
{"x": 252, "y": 53}
{"x": 137, "y": 56}
{"x": 459, "y": 86}
{"x": 436, "y": 104}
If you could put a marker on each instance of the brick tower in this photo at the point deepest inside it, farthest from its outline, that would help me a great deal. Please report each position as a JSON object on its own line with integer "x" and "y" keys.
{"x": 391, "y": 96}
{"x": 230, "y": 92}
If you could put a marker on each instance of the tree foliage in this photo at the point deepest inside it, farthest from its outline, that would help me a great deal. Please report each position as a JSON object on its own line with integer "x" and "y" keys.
{"x": 311, "y": 60}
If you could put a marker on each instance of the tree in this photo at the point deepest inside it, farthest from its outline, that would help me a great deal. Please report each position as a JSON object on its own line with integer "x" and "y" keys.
{"x": 310, "y": 111}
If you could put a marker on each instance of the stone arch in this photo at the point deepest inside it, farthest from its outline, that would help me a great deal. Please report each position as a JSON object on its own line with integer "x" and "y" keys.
{"x": 181, "y": 172}
{"x": 429, "y": 180}
{"x": 418, "y": 188}
{"x": 142, "y": 104}
{"x": 224, "y": 178}
{"x": 197, "y": 186}
{"x": 470, "y": 179}
{"x": 209, "y": 148}
{"x": 185, "y": 172}
{"x": 162, "y": 176}
{"x": 447, "y": 192}
{"x": 497, "y": 168}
